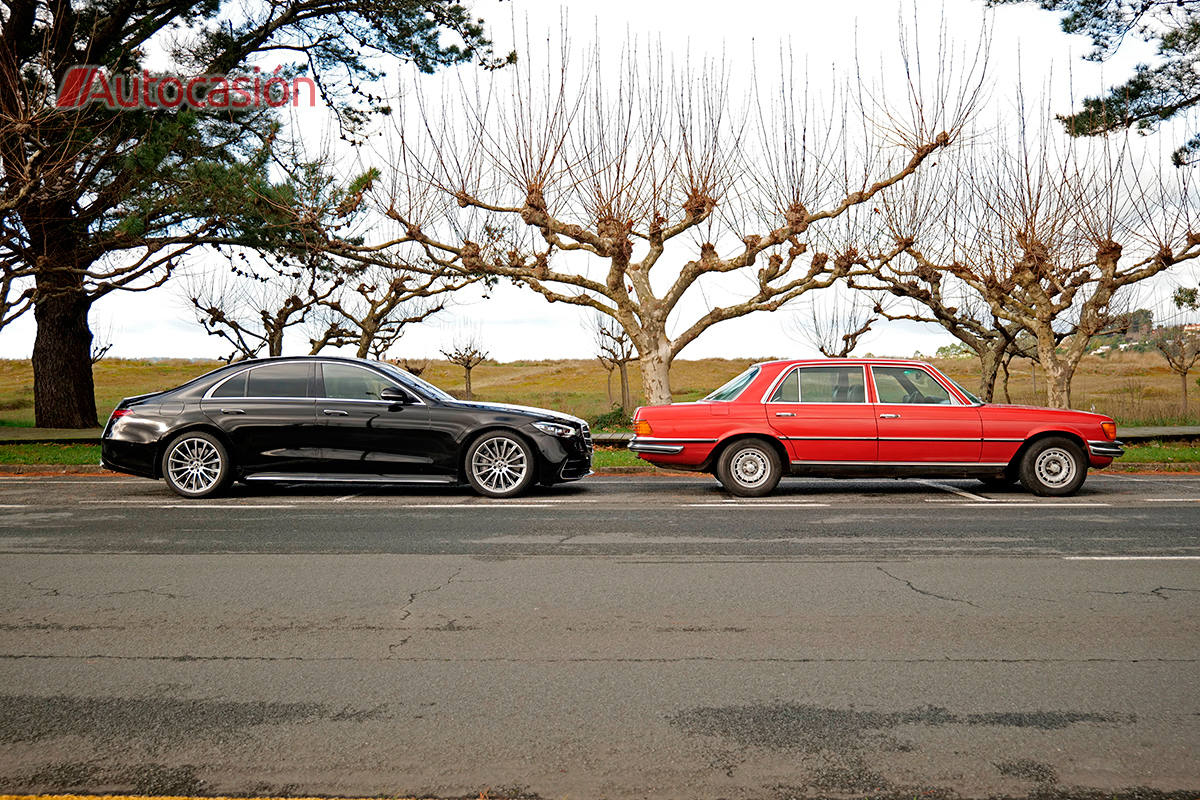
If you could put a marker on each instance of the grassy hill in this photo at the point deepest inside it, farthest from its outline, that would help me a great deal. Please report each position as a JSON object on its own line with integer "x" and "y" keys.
{"x": 1134, "y": 388}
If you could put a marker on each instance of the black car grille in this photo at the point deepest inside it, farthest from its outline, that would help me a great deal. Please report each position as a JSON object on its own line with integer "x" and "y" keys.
{"x": 579, "y": 462}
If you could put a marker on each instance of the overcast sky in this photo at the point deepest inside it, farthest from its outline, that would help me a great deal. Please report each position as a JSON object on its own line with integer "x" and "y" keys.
{"x": 518, "y": 324}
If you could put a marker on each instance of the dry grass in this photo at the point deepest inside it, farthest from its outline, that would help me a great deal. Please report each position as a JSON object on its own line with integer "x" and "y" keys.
{"x": 1135, "y": 388}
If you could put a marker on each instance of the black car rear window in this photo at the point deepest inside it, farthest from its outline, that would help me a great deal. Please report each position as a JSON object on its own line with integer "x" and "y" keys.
{"x": 234, "y": 387}
{"x": 279, "y": 380}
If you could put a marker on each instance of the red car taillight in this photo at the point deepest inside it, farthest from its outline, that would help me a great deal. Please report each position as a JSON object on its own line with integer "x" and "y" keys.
{"x": 642, "y": 428}
{"x": 1110, "y": 430}
{"x": 121, "y": 412}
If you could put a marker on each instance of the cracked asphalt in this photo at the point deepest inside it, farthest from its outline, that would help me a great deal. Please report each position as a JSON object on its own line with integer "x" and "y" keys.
{"x": 635, "y": 637}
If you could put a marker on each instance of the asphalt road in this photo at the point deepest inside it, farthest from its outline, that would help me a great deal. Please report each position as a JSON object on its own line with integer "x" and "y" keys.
{"x": 636, "y": 637}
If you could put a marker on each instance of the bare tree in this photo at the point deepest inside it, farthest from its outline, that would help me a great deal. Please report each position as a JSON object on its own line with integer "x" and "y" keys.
{"x": 834, "y": 321}
{"x": 1039, "y": 232}
{"x": 1179, "y": 343}
{"x": 101, "y": 343}
{"x": 614, "y": 351}
{"x": 377, "y": 303}
{"x": 253, "y": 309}
{"x": 663, "y": 169}
{"x": 468, "y": 353}
{"x": 415, "y": 366}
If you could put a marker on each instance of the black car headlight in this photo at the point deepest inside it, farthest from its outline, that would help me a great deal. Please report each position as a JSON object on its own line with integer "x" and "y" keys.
{"x": 554, "y": 428}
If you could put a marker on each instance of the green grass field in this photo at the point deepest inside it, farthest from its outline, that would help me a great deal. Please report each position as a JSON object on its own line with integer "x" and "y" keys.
{"x": 1134, "y": 388}
{"x": 605, "y": 457}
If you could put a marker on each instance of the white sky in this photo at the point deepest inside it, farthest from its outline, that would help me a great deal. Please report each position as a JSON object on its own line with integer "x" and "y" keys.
{"x": 518, "y": 324}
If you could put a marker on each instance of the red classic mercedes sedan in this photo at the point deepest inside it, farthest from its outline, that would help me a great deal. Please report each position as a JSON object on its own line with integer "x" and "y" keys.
{"x": 869, "y": 417}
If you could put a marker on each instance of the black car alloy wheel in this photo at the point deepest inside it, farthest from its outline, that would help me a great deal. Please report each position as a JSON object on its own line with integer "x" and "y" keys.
{"x": 500, "y": 464}
{"x": 196, "y": 465}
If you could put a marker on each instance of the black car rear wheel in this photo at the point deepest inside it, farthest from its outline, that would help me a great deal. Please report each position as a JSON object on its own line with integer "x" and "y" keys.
{"x": 500, "y": 464}
{"x": 196, "y": 465}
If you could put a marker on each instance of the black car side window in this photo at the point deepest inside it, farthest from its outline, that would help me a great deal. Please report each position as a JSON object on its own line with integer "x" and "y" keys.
{"x": 346, "y": 382}
{"x": 279, "y": 380}
{"x": 234, "y": 387}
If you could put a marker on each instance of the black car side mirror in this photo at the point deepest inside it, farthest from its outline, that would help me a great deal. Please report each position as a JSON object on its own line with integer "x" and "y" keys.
{"x": 394, "y": 395}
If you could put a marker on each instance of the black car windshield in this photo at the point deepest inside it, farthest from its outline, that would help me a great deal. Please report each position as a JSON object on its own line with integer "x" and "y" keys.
{"x": 731, "y": 390}
{"x": 407, "y": 378}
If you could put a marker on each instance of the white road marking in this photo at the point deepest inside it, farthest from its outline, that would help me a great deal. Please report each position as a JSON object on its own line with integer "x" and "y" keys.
{"x": 234, "y": 506}
{"x": 959, "y": 492}
{"x": 14, "y": 505}
{"x": 1172, "y": 499}
{"x": 1131, "y": 558}
{"x": 1028, "y": 504}
{"x": 347, "y": 497}
{"x": 752, "y": 504}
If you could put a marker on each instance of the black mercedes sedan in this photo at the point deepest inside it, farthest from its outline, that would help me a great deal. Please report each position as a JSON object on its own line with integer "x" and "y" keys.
{"x": 323, "y": 419}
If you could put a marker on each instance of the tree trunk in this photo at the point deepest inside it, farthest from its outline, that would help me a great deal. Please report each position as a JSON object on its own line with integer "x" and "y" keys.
{"x": 1058, "y": 384}
{"x": 467, "y": 370}
{"x": 1183, "y": 378}
{"x": 656, "y": 374}
{"x": 608, "y": 386}
{"x": 63, "y": 393}
{"x": 275, "y": 342}
{"x": 626, "y": 397}
{"x": 989, "y": 366}
{"x": 1004, "y": 366}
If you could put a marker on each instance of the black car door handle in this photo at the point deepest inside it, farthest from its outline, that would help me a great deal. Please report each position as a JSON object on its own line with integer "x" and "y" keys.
{"x": 334, "y": 412}
{"x": 232, "y": 411}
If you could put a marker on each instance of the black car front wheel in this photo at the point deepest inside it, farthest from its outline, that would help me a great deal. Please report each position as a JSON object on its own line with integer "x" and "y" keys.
{"x": 500, "y": 464}
{"x": 196, "y": 465}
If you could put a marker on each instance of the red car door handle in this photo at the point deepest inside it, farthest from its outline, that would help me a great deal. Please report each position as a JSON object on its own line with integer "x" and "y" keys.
{"x": 889, "y": 416}
{"x": 784, "y": 414}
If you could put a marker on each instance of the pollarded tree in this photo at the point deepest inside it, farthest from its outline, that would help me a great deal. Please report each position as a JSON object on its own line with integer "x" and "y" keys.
{"x": 468, "y": 353}
{"x": 253, "y": 309}
{"x": 1049, "y": 238}
{"x": 833, "y": 322}
{"x": 99, "y": 197}
{"x": 375, "y": 304}
{"x": 655, "y": 199}
{"x": 614, "y": 351}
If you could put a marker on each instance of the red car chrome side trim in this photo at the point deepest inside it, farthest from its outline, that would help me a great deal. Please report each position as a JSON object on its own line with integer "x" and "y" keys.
{"x": 905, "y": 463}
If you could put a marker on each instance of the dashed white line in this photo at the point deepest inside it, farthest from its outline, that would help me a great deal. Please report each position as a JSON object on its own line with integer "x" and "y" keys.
{"x": 1131, "y": 558}
{"x": 1027, "y": 504}
{"x": 1172, "y": 499}
{"x": 744, "y": 504}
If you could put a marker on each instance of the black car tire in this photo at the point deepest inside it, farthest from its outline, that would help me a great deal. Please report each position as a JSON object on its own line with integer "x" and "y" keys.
{"x": 500, "y": 464}
{"x": 1053, "y": 467}
{"x": 196, "y": 464}
{"x": 749, "y": 468}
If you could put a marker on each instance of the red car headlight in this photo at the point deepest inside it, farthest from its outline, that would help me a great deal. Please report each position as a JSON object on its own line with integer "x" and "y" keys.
{"x": 1110, "y": 430}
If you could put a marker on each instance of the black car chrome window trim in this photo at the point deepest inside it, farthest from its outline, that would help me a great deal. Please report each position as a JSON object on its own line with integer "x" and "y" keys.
{"x": 392, "y": 381}
{"x": 766, "y": 397}
{"x": 209, "y": 394}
